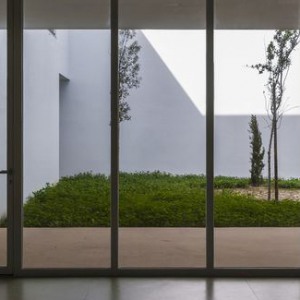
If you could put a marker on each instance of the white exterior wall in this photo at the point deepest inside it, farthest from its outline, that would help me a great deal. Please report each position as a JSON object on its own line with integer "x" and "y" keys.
{"x": 152, "y": 140}
{"x": 44, "y": 60}
{"x": 167, "y": 131}
{"x": 85, "y": 105}
{"x": 232, "y": 152}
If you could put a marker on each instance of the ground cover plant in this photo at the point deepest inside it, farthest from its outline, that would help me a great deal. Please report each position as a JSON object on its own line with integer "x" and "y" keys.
{"x": 155, "y": 200}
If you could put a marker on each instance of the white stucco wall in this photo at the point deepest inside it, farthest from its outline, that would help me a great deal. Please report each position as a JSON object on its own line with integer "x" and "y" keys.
{"x": 85, "y": 105}
{"x": 152, "y": 140}
{"x": 232, "y": 152}
{"x": 44, "y": 60}
{"x": 167, "y": 130}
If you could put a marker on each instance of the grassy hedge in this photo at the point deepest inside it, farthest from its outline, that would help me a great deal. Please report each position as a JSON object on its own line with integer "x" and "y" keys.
{"x": 153, "y": 199}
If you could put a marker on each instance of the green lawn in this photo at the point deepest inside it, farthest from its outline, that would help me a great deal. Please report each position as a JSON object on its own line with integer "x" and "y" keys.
{"x": 154, "y": 199}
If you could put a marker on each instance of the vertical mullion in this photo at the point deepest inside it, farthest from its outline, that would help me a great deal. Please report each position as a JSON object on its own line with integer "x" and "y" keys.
{"x": 114, "y": 136}
{"x": 18, "y": 134}
{"x": 15, "y": 137}
{"x": 10, "y": 135}
{"x": 210, "y": 134}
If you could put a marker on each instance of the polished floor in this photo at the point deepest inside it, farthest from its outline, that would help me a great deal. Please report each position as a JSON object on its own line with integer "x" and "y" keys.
{"x": 149, "y": 289}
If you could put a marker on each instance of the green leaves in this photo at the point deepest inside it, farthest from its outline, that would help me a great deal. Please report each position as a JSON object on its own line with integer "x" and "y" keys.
{"x": 129, "y": 69}
{"x": 153, "y": 200}
{"x": 257, "y": 152}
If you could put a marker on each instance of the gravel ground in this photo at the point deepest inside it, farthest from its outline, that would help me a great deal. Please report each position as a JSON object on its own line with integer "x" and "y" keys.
{"x": 262, "y": 193}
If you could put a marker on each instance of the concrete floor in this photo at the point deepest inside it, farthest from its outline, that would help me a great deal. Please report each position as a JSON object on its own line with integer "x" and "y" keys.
{"x": 149, "y": 289}
{"x": 157, "y": 247}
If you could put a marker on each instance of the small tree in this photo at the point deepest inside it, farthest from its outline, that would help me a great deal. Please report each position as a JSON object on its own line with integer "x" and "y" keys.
{"x": 277, "y": 65}
{"x": 257, "y": 152}
{"x": 129, "y": 68}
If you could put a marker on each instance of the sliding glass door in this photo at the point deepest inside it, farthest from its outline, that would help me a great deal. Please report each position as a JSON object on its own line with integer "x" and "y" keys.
{"x": 162, "y": 138}
{"x": 66, "y": 135}
{"x": 257, "y": 70}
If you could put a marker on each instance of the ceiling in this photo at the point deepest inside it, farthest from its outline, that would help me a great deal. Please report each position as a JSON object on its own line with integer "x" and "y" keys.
{"x": 158, "y": 14}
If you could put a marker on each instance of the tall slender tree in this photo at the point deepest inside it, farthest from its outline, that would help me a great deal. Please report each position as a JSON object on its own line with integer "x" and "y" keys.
{"x": 277, "y": 65}
{"x": 257, "y": 152}
{"x": 129, "y": 69}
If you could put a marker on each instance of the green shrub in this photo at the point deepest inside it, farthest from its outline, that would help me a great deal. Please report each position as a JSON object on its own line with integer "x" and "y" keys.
{"x": 223, "y": 182}
{"x": 152, "y": 200}
{"x": 293, "y": 183}
{"x": 257, "y": 152}
{"x": 81, "y": 200}
{"x": 3, "y": 221}
{"x": 233, "y": 210}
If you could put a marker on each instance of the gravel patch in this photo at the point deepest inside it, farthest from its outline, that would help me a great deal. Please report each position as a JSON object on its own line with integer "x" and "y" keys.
{"x": 262, "y": 193}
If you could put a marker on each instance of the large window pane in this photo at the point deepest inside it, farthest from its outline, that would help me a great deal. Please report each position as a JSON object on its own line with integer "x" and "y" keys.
{"x": 252, "y": 231}
{"x": 162, "y": 139}
{"x": 66, "y": 135}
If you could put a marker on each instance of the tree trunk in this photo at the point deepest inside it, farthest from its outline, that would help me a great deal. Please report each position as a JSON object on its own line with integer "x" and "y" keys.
{"x": 275, "y": 159}
{"x": 269, "y": 163}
